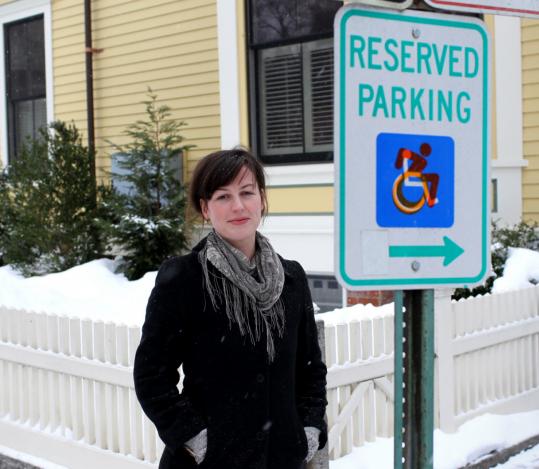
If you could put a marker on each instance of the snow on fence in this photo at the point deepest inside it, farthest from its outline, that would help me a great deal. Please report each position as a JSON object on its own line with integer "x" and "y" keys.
{"x": 66, "y": 387}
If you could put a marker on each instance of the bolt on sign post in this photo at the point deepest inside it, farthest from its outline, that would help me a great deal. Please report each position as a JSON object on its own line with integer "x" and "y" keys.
{"x": 412, "y": 177}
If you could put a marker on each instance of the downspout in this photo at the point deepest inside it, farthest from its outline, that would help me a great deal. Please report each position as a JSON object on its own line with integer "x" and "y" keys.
{"x": 90, "y": 91}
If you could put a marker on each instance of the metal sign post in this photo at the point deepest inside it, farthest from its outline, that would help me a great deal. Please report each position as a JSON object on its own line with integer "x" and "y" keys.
{"x": 414, "y": 379}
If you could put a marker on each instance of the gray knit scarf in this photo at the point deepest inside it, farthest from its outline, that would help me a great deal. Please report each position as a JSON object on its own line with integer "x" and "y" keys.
{"x": 250, "y": 290}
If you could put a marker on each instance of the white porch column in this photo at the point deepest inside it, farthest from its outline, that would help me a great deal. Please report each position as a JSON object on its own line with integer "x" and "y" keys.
{"x": 507, "y": 168}
{"x": 229, "y": 88}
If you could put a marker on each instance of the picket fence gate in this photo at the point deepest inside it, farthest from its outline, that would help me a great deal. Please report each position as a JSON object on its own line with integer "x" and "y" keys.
{"x": 66, "y": 387}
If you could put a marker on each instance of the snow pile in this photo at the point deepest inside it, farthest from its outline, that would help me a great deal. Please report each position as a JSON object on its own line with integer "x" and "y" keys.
{"x": 521, "y": 270}
{"x": 91, "y": 290}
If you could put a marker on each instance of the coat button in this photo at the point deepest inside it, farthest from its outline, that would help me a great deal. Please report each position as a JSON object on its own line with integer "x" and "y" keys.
{"x": 259, "y": 436}
{"x": 260, "y": 378}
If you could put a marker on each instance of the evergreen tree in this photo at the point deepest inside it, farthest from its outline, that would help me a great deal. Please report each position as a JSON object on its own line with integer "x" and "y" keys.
{"x": 150, "y": 212}
{"x": 47, "y": 194}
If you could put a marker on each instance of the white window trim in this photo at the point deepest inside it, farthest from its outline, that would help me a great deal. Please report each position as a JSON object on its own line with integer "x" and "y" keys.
{"x": 229, "y": 86}
{"x": 300, "y": 174}
{"x": 9, "y": 13}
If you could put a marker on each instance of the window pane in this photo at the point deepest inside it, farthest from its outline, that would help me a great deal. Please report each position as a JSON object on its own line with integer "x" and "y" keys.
{"x": 281, "y": 100}
{"x": 26, "y": 59}
{"x": 281, "y": 20}
{"x": 25, "y": 79}
{"x": 30, "y": 115}
{"x": 318, "y": 71}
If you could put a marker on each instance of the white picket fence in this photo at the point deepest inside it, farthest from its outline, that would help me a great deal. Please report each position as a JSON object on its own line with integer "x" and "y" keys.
{"x": 66, "y": 388}
{"x": 487, "y": 360}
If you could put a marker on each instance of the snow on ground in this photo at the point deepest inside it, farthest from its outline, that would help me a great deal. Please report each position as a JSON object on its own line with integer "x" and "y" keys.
{"x": 91, "y": 290}
{"x": 525, "y": 460}
{"x": 521, "y": 268}
{"x": 474, "y": 439}
{"x": 29, "y": 459}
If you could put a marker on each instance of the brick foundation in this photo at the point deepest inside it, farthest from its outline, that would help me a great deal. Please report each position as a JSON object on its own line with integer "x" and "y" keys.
{"x": 374, "y": 297}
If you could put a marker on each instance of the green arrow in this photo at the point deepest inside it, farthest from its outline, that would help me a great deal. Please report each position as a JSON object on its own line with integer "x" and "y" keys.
{"x": 449, "y": 251}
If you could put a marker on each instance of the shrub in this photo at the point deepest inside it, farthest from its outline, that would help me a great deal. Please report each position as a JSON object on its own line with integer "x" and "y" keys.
{"x": 149, "y": 213}
{"x": 47, "y": 196}
{"x": 521, "y": 235}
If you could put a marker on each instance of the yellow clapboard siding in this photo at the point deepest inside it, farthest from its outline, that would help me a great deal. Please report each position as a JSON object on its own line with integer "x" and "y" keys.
{"x": 105, "y": 8}
{"x": 530, "y": 90}
{"x": 193, "y": 117}
{"x": 529, "y": 65}
{"x": 117, "y": 135}
{"x": 70, "y": 16}
{"x": 531, "y": 209}
{"x": 531, "y": 120}
{"x": 104, "y": 20}
{"x": 172, "y": 97}
{"x": 200, "y": 60}
{"x": 300, "y": 199}
{"x": 207, "y": 82}
{"x": 532, "y": 48}
{"x": 193, "y": 122}
{"x": 530, "y": 32}
{"x": 124, "y": 113}
{"x": 172, "y": 67}
{"x": 125, "y": 105}
{"x": 66, "y": 11}
{"x": 125, "y": 34}
{"x": 531, "y": 190}
{"x": 203, "y": 147}
{"x": 530, "y": 176}
{"x": 168, "y": 45}
{"x": 163, "y": 52}
{"x": 76, "y": 68}
{"x": 530, "y": 105}
{"x": 196, "y": 41}
{"x": 531, "y": 147}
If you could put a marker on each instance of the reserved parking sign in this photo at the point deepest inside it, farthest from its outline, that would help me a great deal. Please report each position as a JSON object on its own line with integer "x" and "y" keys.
{"x": 411, "y": 149}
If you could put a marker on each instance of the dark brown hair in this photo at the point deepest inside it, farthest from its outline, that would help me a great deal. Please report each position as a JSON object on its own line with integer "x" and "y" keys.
{"x": 219, "y": 169}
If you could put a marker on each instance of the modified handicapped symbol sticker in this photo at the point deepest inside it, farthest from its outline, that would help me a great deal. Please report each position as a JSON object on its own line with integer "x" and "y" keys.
{"x": 415, "y": 181}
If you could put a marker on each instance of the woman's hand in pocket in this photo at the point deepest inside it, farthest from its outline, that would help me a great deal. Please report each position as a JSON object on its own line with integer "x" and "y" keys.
{"x": 312, "y": 435}
{"x": 198, "y": 445}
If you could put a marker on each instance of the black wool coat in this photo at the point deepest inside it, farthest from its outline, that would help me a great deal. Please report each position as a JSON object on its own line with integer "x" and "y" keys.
{"x": 255, "y": 411}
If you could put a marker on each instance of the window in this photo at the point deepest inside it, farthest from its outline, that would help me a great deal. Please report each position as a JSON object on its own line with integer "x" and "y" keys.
{"x": 494, "y": 195}
{"x": 25, "y": 80}
{"x": 291, "y": 79}
{"x": 326, "y": 292}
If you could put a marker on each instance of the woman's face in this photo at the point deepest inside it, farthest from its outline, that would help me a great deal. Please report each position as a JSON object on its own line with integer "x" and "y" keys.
{"x": 235, "y": 211}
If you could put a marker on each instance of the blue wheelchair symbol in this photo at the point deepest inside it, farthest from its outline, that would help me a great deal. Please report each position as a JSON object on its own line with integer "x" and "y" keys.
{"x": 415, "y": 181}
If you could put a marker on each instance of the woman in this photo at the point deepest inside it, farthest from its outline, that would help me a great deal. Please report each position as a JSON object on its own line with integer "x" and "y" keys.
{"x": 240, "y": 320}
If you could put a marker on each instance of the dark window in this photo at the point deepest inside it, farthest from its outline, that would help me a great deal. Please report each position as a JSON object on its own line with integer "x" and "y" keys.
{"x": 291, "y": 79}
{"x": 494, "y": 197}
{"x": 25, "y": 79}
{"x": 326, "y": 292}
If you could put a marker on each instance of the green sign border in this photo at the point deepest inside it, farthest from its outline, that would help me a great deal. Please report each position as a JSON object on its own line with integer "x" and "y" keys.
{"x": 342, "y": 166}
